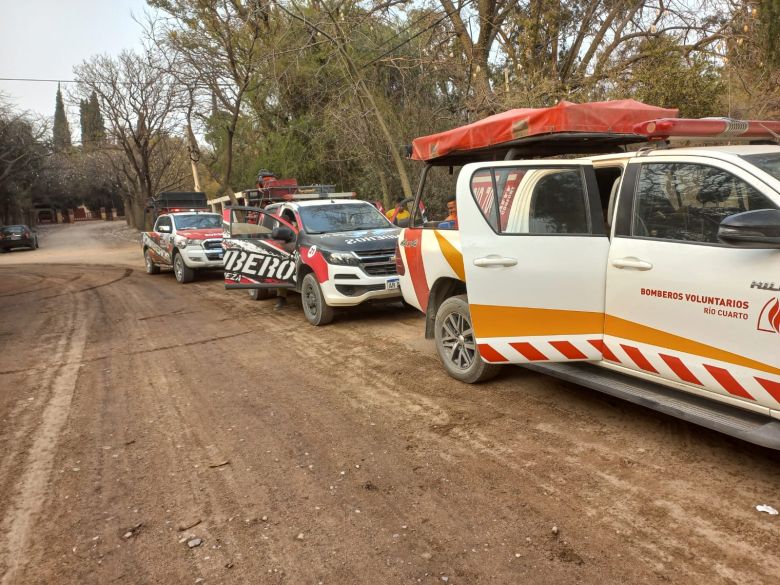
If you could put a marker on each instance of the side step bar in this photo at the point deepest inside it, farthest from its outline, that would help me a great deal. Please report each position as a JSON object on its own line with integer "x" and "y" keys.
{"x": 749, "y": 426}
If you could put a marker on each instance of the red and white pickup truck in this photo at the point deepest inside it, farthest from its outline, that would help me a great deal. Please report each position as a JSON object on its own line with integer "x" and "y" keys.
{"x": 651, "y": 275}
{"x": 186, "y": 242}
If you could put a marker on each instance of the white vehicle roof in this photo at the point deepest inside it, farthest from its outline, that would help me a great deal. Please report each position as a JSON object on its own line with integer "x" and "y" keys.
{"x": 315, "y": 202}
{"x": 723, "y": 152}
{"x": 177, "y": 213}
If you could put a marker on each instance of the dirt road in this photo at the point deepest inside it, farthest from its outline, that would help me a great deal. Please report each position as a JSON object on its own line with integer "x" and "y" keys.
{"x": 139, "y": 415}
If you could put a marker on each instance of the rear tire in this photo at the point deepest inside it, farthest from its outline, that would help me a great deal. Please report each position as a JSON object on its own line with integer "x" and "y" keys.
{"x": 314, "y": 306}
{"x": 151, "y": 267}
{"x": 184, "y": 273}
{"x": 456, "y": 344}
{"x": 261, "y": 294}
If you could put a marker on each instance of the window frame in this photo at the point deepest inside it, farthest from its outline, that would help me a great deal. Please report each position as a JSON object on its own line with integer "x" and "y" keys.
{"x": 250, "y": 209}
{"x": 161, "y": 220}
{"x": 591, "y": 194}
{"x": 629, "y": 195}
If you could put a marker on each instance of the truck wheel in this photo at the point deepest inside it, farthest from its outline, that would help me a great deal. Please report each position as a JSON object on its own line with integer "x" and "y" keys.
{"x": 183, "y": 272}
{"x": 456, "y": 344}
{"x": 151, "y": 267}
{"x": 314, "y": 307}
{"x": 261, "y": 294}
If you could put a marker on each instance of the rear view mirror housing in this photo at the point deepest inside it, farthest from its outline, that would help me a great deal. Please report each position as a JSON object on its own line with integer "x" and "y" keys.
{"x": 752, "y": 229}
{"x": 164, "y": 229}
{"x": 282, "y": 233}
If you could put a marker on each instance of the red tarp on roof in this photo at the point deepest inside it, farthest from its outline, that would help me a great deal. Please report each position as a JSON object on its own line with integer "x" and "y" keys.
{"x": 614, "y": 117}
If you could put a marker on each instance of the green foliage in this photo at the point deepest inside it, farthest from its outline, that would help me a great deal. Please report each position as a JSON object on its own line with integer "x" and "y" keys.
{"x": 61, "y": 132}
{"x": 93, "y": 129}
{"x": 770, "y": 17}
{"x": 663, "y": 76}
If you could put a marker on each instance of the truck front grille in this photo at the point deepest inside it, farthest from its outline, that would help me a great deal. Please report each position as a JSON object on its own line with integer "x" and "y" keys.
{"x": 378, "y": 262}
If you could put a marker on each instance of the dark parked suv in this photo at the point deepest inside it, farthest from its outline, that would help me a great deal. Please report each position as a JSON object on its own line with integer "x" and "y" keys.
{"x": 17, "y": 236}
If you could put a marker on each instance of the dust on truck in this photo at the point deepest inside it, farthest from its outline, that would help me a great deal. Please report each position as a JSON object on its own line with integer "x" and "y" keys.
{"x": 652, "y": 275}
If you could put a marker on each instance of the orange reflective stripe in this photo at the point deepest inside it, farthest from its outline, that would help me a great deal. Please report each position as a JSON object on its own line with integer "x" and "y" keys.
{"x": 500, "y": 321}
{"x": 453, "y": 256}
{"x": 617, "y": 327}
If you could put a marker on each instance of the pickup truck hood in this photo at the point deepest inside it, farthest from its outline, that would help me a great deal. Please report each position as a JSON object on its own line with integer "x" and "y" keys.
{"x": 359, "y": 240}
{"x": 204, "y": 234}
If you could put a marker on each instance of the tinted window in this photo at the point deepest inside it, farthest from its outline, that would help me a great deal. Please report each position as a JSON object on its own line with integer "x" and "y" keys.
{"x": 254, "y": 224}
{"x": 528, "y": 200}
{"x": 163, "y": 221}
{"x": 197, "y": 221}
{"x": 13, "y": 229}
{"x": 769, "y": 163}
{"x": 323, "y": 219}
{"x": 484, "y": 193}
{"x": 687, "y": 202}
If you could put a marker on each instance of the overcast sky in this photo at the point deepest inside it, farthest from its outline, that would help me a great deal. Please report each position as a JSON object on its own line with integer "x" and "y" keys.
{"x": 46, "y": 38}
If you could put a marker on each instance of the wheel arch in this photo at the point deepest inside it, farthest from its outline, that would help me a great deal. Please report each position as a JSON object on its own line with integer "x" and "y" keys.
{"x": 303, "y": 270}
{"x": 441, "y": 290}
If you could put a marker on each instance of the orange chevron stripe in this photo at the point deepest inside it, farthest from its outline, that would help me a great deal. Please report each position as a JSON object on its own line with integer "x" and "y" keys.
{"x": 618, "y": 327}
{"x": 453, "y": 256}
{"x": 503, "y": 321}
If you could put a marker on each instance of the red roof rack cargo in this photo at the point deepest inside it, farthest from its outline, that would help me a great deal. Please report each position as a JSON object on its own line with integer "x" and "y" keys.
{"x": 724, "y": 128}
{"x": 566, "y": 128}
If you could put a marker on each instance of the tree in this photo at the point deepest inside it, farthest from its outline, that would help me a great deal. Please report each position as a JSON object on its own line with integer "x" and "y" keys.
{"x": 61, "y": 130}
{"x": 217, "y": 45}
{"x": 141, "y": 106}
{"x": 93, "y": 129}
{"x": 22, "y": 153}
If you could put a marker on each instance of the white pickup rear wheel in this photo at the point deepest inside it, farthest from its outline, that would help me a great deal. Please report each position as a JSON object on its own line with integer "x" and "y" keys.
{"x": 151, "y": 267}
{"x": 456, "y": 344}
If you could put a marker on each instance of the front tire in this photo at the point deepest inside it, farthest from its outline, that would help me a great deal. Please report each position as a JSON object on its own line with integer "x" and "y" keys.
{"x": 260, "y": 294}
{"x": 315, "y": 308}
{"x": 456, "y": 344}
{"x": 183, "y": 273}
{"x": 151, "y": 267}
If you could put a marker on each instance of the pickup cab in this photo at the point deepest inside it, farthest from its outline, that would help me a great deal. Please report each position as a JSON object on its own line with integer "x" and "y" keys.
{"x": 186, "y": 242}
{"x": 334, "y": 252}
{"x": 651, "y": 275}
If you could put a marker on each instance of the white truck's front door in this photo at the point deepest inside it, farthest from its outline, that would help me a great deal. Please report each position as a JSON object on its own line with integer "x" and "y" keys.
{"x": 683, "y": 307}
{"x": 534, "y": 251}
{"x": 259, "y": 249}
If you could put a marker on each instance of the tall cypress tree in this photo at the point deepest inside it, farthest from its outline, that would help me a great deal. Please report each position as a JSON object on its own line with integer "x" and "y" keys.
{"x": 61, "y": 126}
{"x": 93, "y": 129}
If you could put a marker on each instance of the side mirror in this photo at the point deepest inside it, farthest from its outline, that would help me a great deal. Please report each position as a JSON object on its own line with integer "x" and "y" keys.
{"x": 282, "y": 233}
{"x": 164, "y": 229}
{"x": 751, "y": 229}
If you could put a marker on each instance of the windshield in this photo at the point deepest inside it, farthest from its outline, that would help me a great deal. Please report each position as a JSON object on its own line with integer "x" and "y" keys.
{"x": 768, "y": 162}
{"x": 13, "y": 229}
{"x": 197, "y": 221}
{"x": 323, "y": 219}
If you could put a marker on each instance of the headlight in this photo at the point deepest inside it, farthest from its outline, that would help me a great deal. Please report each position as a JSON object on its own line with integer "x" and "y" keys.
{"x": 343, "y": 258}
{"x": 184, "y": 242}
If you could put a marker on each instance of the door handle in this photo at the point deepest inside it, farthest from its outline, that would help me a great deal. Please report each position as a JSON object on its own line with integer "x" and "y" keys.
{"x": 632, "y": 263}
{"x": 489, "y": 261}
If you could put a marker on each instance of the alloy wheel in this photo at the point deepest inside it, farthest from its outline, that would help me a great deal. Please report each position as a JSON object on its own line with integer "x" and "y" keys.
{"x": 458, "y": 339}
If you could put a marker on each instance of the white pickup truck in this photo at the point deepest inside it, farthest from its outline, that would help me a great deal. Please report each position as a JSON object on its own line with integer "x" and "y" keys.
{"x": 185, "y": 241}
{"x": 651, "y": 275}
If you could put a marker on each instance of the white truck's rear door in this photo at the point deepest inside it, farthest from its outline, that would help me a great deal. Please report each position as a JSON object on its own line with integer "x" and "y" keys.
{"x": 535, "y": 253}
